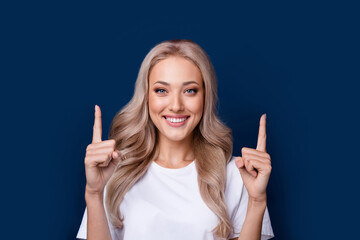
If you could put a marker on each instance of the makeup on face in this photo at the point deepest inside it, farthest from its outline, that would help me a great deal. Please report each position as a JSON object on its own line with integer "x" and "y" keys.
{"x": 176, "y": 96}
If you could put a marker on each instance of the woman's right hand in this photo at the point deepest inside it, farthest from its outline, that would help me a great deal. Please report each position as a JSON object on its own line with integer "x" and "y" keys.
{"x": 100, "y": 160}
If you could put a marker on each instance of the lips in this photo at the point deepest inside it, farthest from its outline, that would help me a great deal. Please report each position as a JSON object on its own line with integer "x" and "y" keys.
{"x": 176, "y": 120}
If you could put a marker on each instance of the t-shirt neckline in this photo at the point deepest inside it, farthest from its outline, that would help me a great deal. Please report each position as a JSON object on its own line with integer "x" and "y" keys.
{"x": 173, "y": 170}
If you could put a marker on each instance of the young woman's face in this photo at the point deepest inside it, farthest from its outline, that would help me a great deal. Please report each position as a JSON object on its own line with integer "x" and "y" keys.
{"x": 176, "y": 98}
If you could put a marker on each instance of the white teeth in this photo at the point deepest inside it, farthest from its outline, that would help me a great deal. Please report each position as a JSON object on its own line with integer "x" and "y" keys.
{"x": 176, "y": 120}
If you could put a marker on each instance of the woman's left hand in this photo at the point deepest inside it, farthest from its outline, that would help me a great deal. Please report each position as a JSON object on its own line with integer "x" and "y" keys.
{"x": 255, "y": 166}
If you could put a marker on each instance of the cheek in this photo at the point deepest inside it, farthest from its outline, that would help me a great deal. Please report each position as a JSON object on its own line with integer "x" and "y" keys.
{"x": 196, "y": 106}
{"x": 155, "y": 105}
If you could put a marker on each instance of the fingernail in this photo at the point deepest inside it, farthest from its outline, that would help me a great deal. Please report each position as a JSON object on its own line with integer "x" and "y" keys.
{"x": 238, "y": 164}
{"x": 265, "y": 116}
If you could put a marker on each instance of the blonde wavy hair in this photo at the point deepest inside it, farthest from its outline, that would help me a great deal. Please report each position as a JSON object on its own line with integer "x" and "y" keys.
{"x": 136, "y": 137}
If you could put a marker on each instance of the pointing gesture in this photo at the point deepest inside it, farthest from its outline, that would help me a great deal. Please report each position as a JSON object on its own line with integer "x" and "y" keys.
{"x": 97, "y": 132}
{"x": 255, "y": 166}
{"x": 261, "y": 143}
{"x": 100, "y": 160}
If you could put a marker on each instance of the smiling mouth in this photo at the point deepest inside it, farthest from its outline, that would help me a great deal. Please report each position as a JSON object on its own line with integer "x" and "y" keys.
{"x": 176, "y": 120}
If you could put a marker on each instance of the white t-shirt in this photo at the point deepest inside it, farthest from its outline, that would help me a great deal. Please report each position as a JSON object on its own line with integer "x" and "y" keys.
{"x": 166, "y": 204}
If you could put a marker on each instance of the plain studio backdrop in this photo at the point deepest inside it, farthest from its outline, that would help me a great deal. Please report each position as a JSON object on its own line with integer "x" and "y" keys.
{"x": 297, "y": 61}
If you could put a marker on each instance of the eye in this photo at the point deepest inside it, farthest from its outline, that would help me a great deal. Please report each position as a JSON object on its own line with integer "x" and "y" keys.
{"x": 160, "y": 90}
{"x": 191, "y": 91}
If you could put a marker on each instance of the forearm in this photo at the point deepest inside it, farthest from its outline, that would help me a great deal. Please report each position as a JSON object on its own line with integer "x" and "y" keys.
{"x": 251, "y": 229}
{"x": 97, "y": 224}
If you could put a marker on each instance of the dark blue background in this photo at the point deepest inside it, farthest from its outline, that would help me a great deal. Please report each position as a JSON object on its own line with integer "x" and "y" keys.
{"x": 298, "y": 61}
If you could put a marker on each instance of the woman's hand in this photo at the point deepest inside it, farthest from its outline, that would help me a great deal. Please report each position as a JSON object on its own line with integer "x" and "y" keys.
{"x": 255, "y": 166}
{"x": 100, "y": 160}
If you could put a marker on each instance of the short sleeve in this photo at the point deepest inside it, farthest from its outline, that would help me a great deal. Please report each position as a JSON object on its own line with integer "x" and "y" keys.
{"x": 237, "y": 201}
{"x": 82, "y": 233}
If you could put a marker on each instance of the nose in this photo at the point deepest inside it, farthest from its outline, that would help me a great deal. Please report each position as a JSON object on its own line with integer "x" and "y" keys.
{"x": 176, "y": 103}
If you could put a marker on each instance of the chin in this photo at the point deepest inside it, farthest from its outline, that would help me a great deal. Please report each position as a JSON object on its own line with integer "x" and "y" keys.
{"x": 176, "y": 138}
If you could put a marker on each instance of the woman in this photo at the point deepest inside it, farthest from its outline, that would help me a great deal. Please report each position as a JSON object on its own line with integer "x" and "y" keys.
{"x": 166, "y": 171}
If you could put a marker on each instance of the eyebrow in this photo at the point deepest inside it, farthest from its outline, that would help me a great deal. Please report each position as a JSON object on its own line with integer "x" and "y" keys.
{"x": 167, "y": 84}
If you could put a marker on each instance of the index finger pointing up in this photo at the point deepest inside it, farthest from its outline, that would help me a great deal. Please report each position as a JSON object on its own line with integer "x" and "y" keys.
{"x": 97, "y": 132}
{"x": 261, "y": 144}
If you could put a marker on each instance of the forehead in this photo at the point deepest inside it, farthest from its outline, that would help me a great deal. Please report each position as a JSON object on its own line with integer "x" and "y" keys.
{"x": 175, "y": 70}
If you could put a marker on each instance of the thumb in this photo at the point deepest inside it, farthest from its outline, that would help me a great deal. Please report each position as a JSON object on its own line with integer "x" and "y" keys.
{"x": 116, "y": 155}
{"x": 239, "y": 162}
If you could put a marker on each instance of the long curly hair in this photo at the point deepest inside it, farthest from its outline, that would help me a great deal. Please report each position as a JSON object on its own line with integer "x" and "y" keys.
{"x": 136, "y": 137}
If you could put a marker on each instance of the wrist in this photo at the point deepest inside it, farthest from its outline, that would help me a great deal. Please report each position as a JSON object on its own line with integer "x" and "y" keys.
{"x": 91, "y": 195}
{"x": 257, "y": 202}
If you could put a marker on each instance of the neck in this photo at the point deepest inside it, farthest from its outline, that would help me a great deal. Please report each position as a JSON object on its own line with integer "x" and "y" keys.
{"x": 175, "y": 154}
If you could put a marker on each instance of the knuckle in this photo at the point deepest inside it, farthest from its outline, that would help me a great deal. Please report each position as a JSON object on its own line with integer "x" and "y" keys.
{"x": 244, "y": 151}
{"x": 110, "y": 142}
{"x": 86, "y": 161}
{"x": 88, "y": 147}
